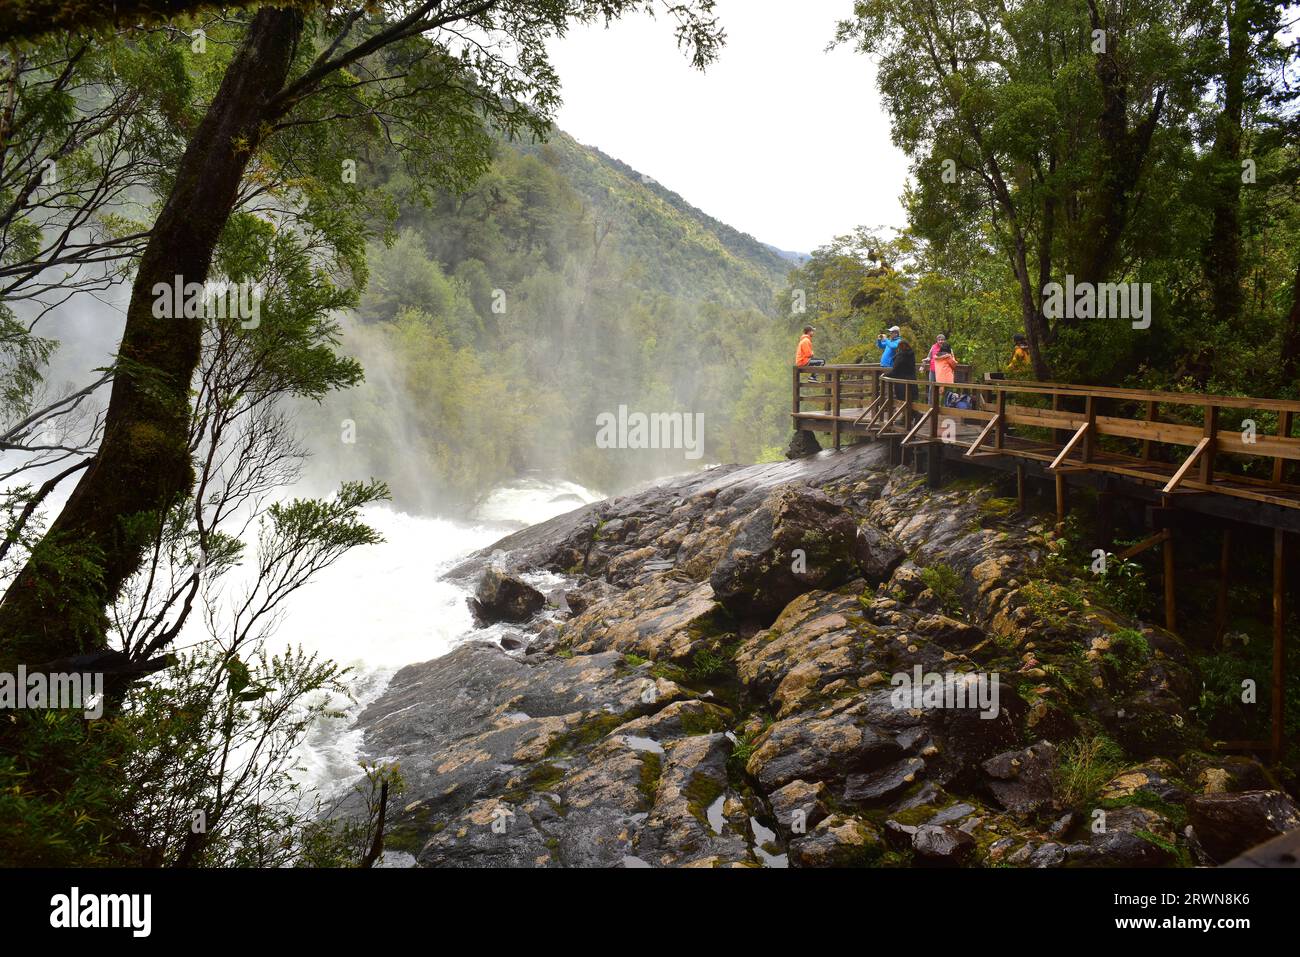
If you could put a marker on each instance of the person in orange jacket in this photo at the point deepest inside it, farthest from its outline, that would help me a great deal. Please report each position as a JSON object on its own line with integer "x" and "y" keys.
{"x": 945, "y": 365}
{"x": 803, "y": 356}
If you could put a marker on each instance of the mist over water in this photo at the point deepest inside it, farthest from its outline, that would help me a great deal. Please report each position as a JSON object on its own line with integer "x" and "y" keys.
{"x": 386, "y": 606}
{"x": 381, "y": 607}
{"x": 367, "y": 431}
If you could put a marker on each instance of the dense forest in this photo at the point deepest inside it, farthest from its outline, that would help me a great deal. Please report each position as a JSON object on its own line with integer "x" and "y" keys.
{"x": 1148, "y": 143}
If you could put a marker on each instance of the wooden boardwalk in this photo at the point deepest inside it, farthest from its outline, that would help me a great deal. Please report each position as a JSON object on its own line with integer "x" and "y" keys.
{"x": 1226, "y": 457}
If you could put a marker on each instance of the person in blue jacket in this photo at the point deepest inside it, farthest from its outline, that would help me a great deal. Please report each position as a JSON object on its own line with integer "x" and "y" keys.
{"x": 888, "y": 346}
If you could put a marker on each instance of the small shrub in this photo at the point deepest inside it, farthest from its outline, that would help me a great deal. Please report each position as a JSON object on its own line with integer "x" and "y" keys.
{"x": 1084, "y": 765}
{"x": 706, "y": 663}
{"x": 946, "y": 585}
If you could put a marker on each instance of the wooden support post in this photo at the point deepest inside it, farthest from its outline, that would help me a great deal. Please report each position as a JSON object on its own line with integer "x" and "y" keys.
{"x": 835, "y": 408}
{"x": 1062, "y": 502}
{"x": 999, "y": 438}
{"x": 1020, "y": 485}
{"x": 934, "y": 460}
{"x": 1211, "y": 433}
{"x": 1089, "y": 449}
{"x": 797, "y": 397}
{"x": 1171, "y": 609}
{"x": 917, "y": 427}
{"x": 1152, "y": 413}
{"x": 1284, "y": 420}
{"x": 1221, "y": 604}
{"x": 869, "y": 410}
{"x": 889, "y": 421}
{"x": 1279, "y": 659}
{"x": 936, "y": 405}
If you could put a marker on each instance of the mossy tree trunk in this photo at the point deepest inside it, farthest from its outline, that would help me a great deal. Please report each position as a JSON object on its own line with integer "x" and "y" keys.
{"x": 54, "y": 607}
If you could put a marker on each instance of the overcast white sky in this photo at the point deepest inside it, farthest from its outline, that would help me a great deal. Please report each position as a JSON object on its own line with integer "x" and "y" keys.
{"x": 778, "y": 138}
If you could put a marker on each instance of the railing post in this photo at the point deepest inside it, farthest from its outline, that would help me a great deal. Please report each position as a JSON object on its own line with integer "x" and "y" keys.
{"x": 835, "y": 407}
{"x": 936, "y": 394}
{"x": 1152, "y": 408}
{"x": 796, "y": 401}
{"x": 934, "y": 451}
{"x": 1277, "y": 708}
{"x": 1284, "y": 430}
{"x": 1089, "y": 450}
{"x": 1001, "y": 432}
{"x": 1211, "y": 432}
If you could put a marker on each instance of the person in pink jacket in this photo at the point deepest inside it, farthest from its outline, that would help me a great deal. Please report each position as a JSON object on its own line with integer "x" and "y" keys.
{"x": 934, "y": 351}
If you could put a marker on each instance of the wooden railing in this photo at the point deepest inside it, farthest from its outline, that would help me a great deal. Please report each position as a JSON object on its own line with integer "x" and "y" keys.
{"x": 1107, "y": 429}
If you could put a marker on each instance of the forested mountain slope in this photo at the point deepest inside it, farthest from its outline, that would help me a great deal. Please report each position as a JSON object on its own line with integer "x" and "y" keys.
{"x": 687, "y": 252}
{"x": 500, "y": 322}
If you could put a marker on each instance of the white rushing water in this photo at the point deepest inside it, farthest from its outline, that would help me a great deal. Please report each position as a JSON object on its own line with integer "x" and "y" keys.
{"x": 386, "y": 606}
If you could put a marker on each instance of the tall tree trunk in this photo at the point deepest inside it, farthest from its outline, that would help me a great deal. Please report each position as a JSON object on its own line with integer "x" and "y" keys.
{"x": 1036, "y": 326}
{"x": 1031, "y": 311}
{"x": 54, "y": 607}
{"x": 1223, "y": 251}
{"x": 1123, "y": 154}
{"x": 1291, "y": 336}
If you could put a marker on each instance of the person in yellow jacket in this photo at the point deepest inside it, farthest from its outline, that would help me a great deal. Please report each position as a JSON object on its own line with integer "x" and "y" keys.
{"x": 1022, "y": 363}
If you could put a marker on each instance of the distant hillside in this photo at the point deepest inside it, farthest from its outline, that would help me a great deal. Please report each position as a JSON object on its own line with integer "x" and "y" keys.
{"x": 687, "y": 252}
{"x": 797, "y": 258}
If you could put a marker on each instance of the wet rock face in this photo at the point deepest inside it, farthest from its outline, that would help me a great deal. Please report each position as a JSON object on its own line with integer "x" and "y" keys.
{"x": 504, "y": 597}
{"x": 798, "y": 539}
{"x": 1230, "y": 824}
{"x": 700, "y": 699}
{"x": 878, "y": 553}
